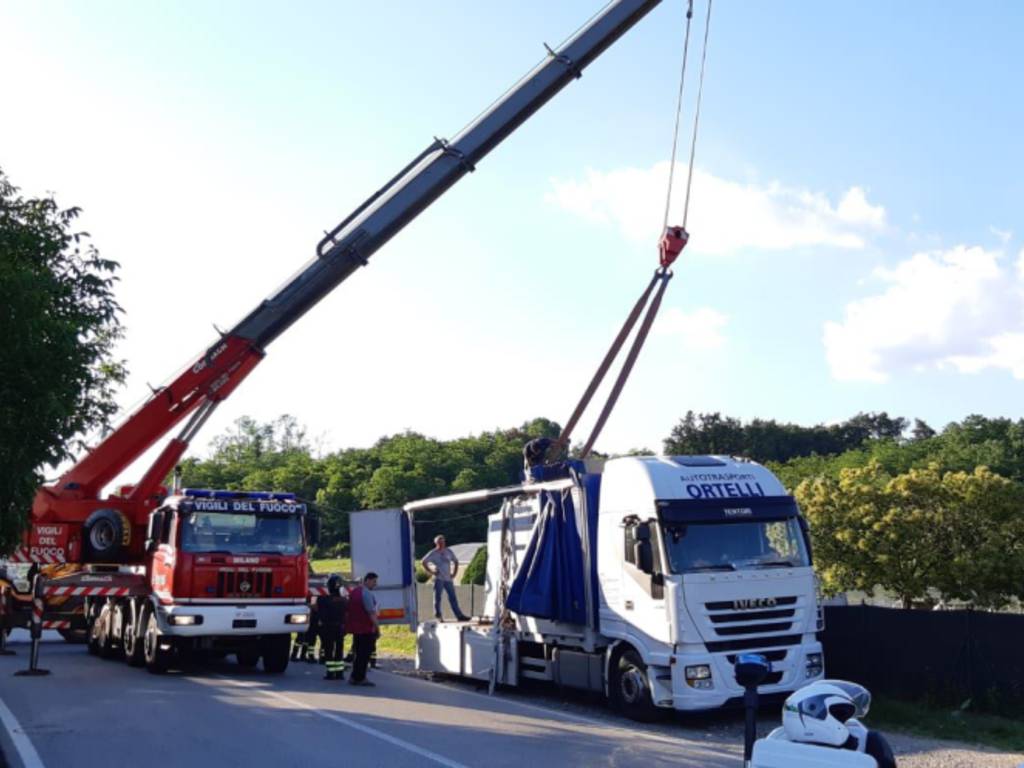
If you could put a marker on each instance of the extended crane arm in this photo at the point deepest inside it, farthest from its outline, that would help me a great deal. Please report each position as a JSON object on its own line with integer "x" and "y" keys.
{"x": 347, "y": 247}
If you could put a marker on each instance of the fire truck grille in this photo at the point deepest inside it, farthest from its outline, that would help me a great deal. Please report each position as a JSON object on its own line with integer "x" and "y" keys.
{"x": 245, "y": 583}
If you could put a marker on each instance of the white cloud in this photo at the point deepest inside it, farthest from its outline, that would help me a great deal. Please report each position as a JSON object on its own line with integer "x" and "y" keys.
{"x": 959, "y": 308}
{"x": 725, "y": 216}
{"x": 700, "y": 329}
{"x": 1004, "y": 235}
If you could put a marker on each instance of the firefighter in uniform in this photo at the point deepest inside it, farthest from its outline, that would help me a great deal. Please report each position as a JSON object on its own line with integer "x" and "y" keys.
{"x": 305, "y": 648}
{"x": 331, "y": 609}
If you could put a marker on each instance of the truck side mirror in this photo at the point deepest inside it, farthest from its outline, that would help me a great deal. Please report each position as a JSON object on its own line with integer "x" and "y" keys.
{"x": 155, "y": 528}
{"x": 643, "y": 550}
{"x": 312, "y": 530}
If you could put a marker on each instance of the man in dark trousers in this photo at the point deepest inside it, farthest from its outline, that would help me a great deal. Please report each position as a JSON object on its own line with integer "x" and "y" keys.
{"x": 331, "y": 614}
{"x": 363, "y": 625}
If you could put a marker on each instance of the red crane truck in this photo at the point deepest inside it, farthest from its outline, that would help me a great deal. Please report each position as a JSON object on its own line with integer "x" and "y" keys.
{"x": 149, "y": 589}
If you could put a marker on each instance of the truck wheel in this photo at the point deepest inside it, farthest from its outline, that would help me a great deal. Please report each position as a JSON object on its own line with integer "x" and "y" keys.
{"x": 248, "y": 657}
{"x": 630, "y": 692}
{"x": 157, "y": 659}
{"x": 276, "y": 651}
{"x": 104, "y": 536}
{"x": 73, "y": 636}
{"x": 101, "y": 636}
{"x": 132, "y": 645}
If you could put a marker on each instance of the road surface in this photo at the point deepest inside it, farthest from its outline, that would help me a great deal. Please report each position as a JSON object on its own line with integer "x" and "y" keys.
{"x": 90, "y": 712}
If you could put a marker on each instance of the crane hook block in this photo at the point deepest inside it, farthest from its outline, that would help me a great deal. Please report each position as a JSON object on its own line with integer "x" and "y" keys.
{"x": 672, "y": 244}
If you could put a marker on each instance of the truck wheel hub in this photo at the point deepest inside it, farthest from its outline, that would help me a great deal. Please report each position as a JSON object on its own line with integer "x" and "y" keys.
{"x": 631, "y": 684}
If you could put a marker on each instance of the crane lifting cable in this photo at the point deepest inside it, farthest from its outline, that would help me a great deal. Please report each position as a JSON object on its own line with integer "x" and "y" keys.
{"x": 673, "y": 240}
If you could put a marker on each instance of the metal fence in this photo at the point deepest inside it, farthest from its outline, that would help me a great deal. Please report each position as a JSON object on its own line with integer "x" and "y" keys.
{"x": 471, "y": 600}
{"x": 940, "y": 657}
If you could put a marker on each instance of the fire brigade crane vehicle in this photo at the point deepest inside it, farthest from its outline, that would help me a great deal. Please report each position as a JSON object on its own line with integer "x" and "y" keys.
{"x": 163, "y": 572}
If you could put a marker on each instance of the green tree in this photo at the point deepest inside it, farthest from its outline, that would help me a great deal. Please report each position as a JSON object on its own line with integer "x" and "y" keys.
{"x": 958, "y": 533}
{"x": 59, "y": 323}
{"x": 476, "y": 571}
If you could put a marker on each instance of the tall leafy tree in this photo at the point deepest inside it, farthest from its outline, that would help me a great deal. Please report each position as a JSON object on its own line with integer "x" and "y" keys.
{"x": 59, "y": 322}
{"x": 959, "y": 534}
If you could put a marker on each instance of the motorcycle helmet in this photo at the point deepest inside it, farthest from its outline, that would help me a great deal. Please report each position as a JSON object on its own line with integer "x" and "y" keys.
{"x": 817, "y": 713}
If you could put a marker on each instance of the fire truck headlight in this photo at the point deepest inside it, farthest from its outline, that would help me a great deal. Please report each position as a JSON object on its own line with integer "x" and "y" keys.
{"x": 186, "y": 620}
{"x": 297, "y": 618}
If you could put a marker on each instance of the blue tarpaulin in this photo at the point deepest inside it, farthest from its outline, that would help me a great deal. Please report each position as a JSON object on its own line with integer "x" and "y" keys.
{"x": 557, "y": 578}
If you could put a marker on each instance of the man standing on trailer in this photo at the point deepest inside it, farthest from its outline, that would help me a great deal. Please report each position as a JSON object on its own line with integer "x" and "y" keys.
{"x": 362, "y": 623}
{"x": 443, "y": 563}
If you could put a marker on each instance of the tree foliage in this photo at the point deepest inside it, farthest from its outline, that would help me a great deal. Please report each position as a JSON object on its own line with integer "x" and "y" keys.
{"x": 911, "y": 509}
{"x": 59, "y": 323}
{"x": 396, "y": 469}
{"x": 960, "y": 534}
{"x": 476, "y": 571}
{"x": 769, "y": 440}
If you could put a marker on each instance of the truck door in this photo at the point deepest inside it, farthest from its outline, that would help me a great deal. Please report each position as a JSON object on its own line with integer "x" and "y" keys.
{"x": 382, "y": 542}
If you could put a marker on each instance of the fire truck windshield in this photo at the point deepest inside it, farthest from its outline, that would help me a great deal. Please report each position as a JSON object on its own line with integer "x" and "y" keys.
{"x": 236, "y": 534}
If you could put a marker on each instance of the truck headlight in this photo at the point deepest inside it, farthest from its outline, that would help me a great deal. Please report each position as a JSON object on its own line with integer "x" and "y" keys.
{"x": 297, "y": 618}
{"x": 698, "y": 676}
{"x": 815, "y": 665}
{"x": 186, "y": 620}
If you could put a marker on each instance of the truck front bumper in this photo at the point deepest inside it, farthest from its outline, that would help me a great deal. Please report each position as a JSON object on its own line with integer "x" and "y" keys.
{"x": 788, "y": 674}
{"x": 205, "y": 620}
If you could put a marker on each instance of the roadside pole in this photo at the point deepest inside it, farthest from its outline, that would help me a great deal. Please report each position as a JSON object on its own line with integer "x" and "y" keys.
{"x": 38, "y": 605}
{"x": 5, "y": 620}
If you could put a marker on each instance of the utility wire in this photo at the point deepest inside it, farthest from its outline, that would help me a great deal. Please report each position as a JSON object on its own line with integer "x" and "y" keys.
{"x": 323, "y": 507}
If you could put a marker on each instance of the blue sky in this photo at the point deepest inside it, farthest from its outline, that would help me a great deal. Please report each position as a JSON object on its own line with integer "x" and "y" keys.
{"x": 856, "y": 222}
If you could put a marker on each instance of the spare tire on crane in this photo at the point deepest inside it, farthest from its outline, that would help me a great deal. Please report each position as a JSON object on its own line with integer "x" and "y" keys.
{"x": 106, "y": 535}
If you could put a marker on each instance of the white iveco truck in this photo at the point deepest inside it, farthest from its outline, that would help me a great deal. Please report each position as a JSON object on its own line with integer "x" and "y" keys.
{"x": 643, "y": 580}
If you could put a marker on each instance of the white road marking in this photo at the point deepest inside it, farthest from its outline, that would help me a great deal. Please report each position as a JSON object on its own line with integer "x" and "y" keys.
{"x": 29, "y": 757}
{"x": 440, "y": 759}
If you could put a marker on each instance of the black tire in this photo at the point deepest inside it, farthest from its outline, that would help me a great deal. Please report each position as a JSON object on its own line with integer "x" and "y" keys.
{"x": 132, "y": 644}
{"x": 276, "y": 653}
{"x": 157, "y": 659}
{"x": 91, "y": 616}
{"x": 104, "y": 537}
{"x": 629, "y": 689}
{"x": 73, "y": 636}
{"x": 248, "y": 658}
{"x": 101, "y": 638}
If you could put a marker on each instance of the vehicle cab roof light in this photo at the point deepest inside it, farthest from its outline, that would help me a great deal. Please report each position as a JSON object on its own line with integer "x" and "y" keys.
{"x": 203, "y": 493}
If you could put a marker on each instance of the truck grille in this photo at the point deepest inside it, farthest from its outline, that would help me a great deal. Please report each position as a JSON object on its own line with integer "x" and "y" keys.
{"x": 752, "y": 624}
{"x": 257, "y": 582}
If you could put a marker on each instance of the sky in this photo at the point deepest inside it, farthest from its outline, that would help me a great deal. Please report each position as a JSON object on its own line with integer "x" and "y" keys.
{"x": 856, "y": 216}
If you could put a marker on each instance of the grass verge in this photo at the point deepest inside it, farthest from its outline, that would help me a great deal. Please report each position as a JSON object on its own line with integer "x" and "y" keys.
{"x": 960, "y": 725}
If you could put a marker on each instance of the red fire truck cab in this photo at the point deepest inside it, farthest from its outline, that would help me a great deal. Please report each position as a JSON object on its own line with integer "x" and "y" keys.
{"x": 226, "y": 572}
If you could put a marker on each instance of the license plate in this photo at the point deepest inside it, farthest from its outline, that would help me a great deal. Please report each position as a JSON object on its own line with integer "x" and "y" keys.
{"x": 245, "y": 615}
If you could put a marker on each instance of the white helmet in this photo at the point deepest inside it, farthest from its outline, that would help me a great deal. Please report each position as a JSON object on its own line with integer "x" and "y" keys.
{"x": 818, "y": 712}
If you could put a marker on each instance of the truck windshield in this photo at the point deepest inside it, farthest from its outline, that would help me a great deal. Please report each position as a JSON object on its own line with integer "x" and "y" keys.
{"x": 241, "y": 533}
{"x": 734, "y": 546}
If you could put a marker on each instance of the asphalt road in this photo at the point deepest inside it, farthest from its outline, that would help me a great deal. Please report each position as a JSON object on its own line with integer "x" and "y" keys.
{"x": 91, "y": 712}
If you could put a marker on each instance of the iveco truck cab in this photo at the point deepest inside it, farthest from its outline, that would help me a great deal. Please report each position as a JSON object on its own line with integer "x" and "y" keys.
{"x": 642, "y": 580}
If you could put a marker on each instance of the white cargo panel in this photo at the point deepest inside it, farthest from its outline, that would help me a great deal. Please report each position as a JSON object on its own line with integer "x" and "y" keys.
{"x": 382, "y": 543}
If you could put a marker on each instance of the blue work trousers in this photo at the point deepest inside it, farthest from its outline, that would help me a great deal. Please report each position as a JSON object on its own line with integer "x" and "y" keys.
{"x": 449, "y": 587}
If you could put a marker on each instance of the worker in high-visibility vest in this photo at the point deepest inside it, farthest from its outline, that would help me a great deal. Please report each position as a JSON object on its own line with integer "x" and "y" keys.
{"x": 331, "y": 613}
